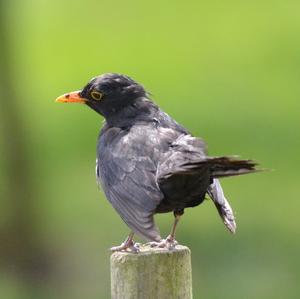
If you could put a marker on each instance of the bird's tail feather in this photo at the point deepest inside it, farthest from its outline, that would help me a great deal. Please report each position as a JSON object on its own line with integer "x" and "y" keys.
{"x": 228, "y": 166}
{"x": 220, "y": 166}
{"x": 215, "y": 192}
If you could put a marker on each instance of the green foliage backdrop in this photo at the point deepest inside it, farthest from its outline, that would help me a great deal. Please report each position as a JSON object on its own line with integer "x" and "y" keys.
{"x": 227, "y": 70}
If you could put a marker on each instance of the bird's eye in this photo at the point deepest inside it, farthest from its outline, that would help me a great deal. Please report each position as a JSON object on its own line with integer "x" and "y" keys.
{"x": 96, "y": 95}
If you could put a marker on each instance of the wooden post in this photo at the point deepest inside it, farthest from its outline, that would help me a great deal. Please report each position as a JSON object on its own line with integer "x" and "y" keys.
{"x": 153, "y": 273}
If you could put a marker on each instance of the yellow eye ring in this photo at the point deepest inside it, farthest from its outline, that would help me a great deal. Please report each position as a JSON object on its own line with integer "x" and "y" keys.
{"x": 96, "y": 95}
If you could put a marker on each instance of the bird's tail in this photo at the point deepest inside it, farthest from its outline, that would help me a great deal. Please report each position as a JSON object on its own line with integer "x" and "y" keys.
{"x": 223, "y": 167}
{"x": 215, "y": 192}
{"x": 228, "y": 166}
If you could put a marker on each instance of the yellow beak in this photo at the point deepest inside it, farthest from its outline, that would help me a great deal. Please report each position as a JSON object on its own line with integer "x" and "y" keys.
{"x": 72, "y": 97}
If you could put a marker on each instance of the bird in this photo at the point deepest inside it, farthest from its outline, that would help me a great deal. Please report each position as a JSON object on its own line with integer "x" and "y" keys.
{"x": 147, "y": 163}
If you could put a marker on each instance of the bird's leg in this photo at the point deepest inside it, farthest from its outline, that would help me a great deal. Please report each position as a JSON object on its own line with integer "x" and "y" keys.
{"x": 171, "y": 236}
{"x": 170, "y": 241}
{"x": 127, "y": 244}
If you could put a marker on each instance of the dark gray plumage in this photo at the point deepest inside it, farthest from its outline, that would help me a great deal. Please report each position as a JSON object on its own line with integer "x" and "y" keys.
{"x": 147, "y": 163}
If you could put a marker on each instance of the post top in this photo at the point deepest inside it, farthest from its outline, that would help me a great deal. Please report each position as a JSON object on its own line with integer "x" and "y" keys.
{"x": 146, "y": 249}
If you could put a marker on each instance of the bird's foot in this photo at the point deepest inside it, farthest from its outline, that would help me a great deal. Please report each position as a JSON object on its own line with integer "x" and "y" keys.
{"x": 128, "y": 246}
{"x": 168, "y": 243}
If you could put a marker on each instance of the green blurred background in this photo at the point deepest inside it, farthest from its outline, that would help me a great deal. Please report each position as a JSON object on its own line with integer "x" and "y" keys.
{"x": 227, "y": 70}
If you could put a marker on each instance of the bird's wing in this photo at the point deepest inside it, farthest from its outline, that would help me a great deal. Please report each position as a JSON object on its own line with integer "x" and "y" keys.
{"x": 184, "y": 152}
{"x": 127, "y": 172}
{"x": 181, "y": 176}
{"x": 188, "y": 155}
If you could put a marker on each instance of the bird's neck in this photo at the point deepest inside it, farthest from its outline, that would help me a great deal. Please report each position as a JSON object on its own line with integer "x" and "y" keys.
{"x": 142, "y": 110}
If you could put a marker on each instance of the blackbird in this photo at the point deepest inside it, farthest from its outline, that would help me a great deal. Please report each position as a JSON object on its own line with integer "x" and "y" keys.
{"x": 147, "y": 163}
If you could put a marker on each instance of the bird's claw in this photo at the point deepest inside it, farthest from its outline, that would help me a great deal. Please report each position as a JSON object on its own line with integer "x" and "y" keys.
{"x": 128, "y": 246}
{"x": 168, "y": 243}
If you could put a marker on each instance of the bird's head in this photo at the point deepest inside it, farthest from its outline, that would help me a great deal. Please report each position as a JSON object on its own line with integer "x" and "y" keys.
{"x": 107, "y": 94}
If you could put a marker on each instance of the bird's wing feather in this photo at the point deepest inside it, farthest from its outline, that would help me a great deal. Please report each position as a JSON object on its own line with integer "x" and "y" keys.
{"x": 184, "y": 152}
{"x": 180, "y": 182}
{"x": 128, "y": 175}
